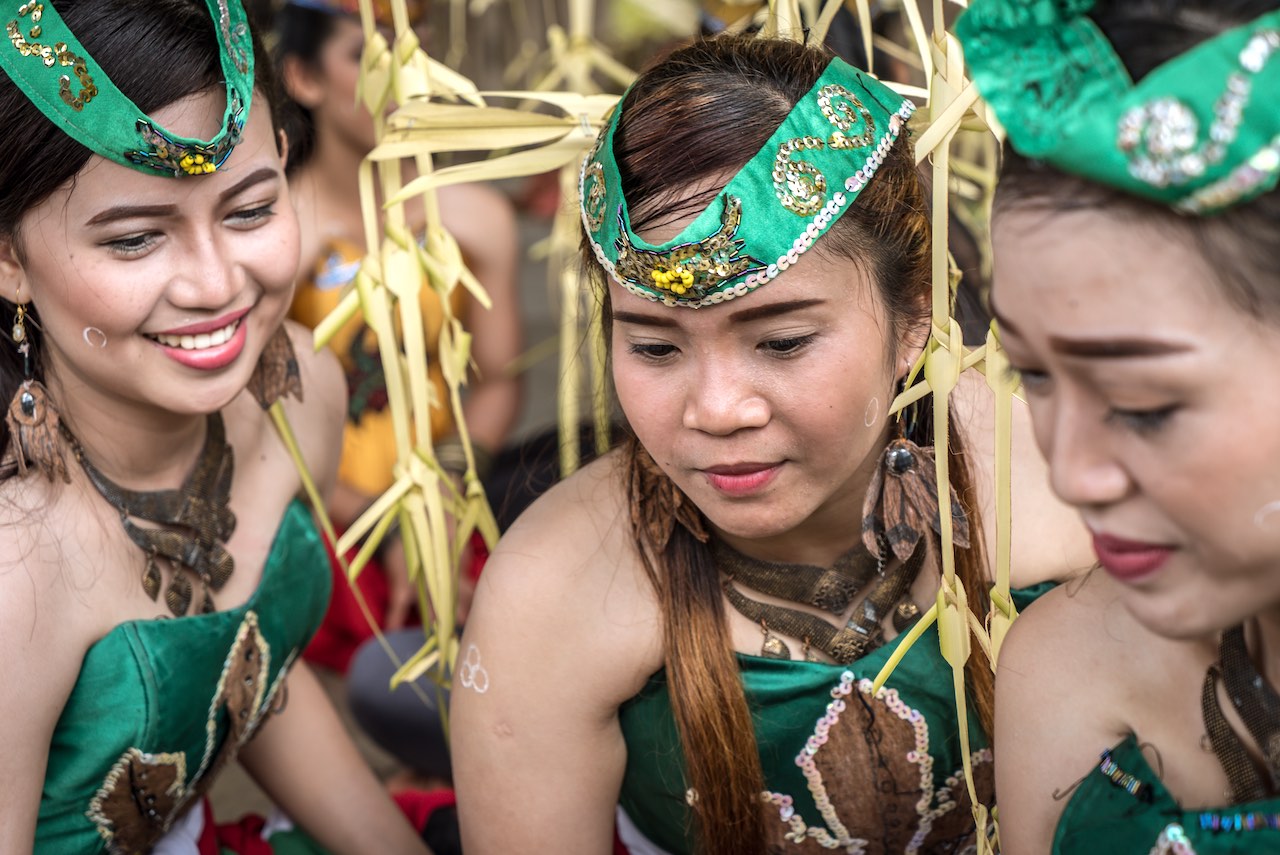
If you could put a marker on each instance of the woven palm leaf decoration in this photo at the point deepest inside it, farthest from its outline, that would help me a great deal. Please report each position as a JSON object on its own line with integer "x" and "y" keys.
{"x": 571, "y": 85}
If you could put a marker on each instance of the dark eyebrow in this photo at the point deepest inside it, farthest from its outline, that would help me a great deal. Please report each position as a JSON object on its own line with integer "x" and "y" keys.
{"x": 754, "y": 313}
{"x": 770, "y": 310}
{"x": 1100, "y": 348}
{"x": 127, "y": 212}
{"x": 259, "y": 175}
{"x": 1115, "y": 348}
{"x": 643, "y": 320}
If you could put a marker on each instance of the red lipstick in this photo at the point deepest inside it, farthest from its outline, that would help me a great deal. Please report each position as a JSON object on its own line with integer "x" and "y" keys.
{"x": 209, "y": 358}
{"x": 741, "y": 479}
{"x": 1129, "y": 560}
{"x": 205, "y": 326}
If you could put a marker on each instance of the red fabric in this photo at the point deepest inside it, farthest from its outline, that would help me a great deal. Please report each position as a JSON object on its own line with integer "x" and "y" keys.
{"x": 243, "y": 837}
{"x": 344, "y": 628}
{"x": 418, "y": 805}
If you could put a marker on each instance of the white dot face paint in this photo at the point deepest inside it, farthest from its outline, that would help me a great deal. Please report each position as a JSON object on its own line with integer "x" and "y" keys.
{"x": 873, "y": 412}
{"x": 471, "y": 674}
{"x": 1265, "y": 512}
{"x": 95, "y": 338}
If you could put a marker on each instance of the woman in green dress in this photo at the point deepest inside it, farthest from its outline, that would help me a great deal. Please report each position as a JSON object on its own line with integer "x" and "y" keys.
{"x": 158, "y": 577}
{"x": 1137, "y": 289}
{"x": 688, "y": 628}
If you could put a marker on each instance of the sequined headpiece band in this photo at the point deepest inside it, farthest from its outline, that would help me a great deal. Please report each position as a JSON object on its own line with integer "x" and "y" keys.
{"x": 1199, "y": 133}
{"x": 56, "y": 73}
{"x": 784, "y": 198}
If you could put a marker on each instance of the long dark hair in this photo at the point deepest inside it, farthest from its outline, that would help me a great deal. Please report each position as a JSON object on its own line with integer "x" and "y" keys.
{"x": 1238, "y": 243}
{"x": 704, "y": 110}
{"x": 125, "y": 37}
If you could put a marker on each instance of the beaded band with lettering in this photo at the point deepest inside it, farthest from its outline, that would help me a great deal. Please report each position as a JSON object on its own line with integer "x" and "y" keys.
{"x": 769, "y": 214}
{"x": 45, "y": 60}
{"x": 1200, "y": 133}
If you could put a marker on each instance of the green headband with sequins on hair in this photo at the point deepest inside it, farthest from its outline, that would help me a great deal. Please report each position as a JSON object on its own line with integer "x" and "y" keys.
{"x": 1200, "y": 133}
{"x": 44, "y": 59}
{"x": 785, "y": 198}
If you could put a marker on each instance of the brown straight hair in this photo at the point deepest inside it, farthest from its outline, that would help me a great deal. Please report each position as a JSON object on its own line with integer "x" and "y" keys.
{"x": 703, "y": 111}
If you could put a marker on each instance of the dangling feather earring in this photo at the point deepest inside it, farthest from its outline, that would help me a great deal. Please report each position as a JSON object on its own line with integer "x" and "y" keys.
{"x": 34, "y": 438}
{"x": 902, "y": 501}
{"x": 276, "y": 374}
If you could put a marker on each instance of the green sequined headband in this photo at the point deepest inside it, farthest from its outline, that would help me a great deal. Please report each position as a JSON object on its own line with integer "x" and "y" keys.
{"x": 770, "y": 213}
{"x": 57, "y": 74}
{"x": 1199, "y": 133}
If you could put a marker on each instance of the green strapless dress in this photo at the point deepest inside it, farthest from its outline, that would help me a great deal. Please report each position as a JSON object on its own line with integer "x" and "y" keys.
{"x": 844, "y": 769}
{"x": 1123, "y": 807}
{"x": 160, "y": 706}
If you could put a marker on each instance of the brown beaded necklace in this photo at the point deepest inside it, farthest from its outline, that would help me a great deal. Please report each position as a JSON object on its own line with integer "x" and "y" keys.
{"x": 831, "y": 589}
{"x": 1258, "y": 706}
{"x": 194, "y": 521}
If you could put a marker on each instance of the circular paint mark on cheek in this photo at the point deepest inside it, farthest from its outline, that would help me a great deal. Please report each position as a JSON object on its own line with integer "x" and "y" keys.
{"x": 872, "y": 413}
{"x": 95, "y": 338}
{"x": 1262, "y": 518}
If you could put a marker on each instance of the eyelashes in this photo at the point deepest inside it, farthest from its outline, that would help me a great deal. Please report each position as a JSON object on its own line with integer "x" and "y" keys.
{"x": 782, "y": 348}
{"x": 1144, "y": 422}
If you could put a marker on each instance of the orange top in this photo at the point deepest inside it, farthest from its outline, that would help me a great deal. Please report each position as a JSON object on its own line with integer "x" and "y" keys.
{"x": 368, "y": 442}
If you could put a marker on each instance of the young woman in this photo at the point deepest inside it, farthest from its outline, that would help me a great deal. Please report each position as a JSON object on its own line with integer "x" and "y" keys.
{"x": 1137, "y": 290}
{"x": 688, "y": 627}
{"x": 147, "y": 255}
{"x": 318, "y": 50}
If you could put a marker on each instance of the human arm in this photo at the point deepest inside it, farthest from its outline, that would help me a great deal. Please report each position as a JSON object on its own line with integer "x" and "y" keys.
{"x": 44, "y": 622}
{"x": 562, "y": 632}
{"x": 1057, "y": 709}
{"x": 304, "y": 759}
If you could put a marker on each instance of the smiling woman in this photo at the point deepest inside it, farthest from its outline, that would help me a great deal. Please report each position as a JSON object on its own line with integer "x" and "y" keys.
{"x": 683, "y": 634}
{"x": 1137, "y": 288}
{"x": 147, "y": 253}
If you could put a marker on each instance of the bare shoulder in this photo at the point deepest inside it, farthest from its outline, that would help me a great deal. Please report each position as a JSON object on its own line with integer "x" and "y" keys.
{"x": 317, "y": 418}
{"x": 1079, "y": 628}
{"x": 1067, "y": 670}
{"x": 1049, "y": 542}
{"x": 47, "y": 622}
{"x": 322, "y": 380}
{"x": 568, "y": 570}
{"x": 1062, "y": 697}
{"x": 575, "y": 538}
{"x": 480, "y": 217}
{"x": 562, "y": 632}
{"x": 473, "y": 202}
